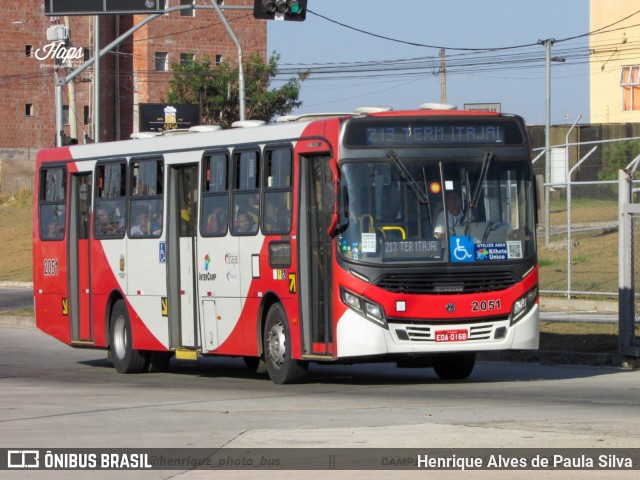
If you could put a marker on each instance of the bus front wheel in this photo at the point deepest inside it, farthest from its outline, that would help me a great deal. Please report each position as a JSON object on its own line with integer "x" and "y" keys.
{"x": 454, "y": 366}
{"x": 124, "y": 357}
{"x": 277, "y": 349}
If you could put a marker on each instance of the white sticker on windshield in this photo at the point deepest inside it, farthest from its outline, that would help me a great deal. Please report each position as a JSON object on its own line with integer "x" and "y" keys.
{"x": 448, "y": 185}
{"x": 368, "y": 241}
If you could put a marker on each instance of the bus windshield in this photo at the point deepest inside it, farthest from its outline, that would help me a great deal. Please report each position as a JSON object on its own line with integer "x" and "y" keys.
{"x": 436, "y": 210}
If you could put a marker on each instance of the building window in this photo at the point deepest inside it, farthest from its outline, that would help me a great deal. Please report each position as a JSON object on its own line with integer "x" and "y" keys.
{"x": 187, "y": 13}
{"x": 162, "y": 61}
{"x": 630, "y": 83}
{"x": 186, "y": 58}
{"x": 28, "y": 50}
{"x": 65, "y": 114}
{"x": 218, "y": 60}
{"x": 28, "y": 109}
{"x": 85, "y": 115}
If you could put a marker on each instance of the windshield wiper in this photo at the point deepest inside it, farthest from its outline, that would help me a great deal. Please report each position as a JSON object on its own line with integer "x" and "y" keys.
{"x": 406, "y": 176}
{"x": 488, "y": 157}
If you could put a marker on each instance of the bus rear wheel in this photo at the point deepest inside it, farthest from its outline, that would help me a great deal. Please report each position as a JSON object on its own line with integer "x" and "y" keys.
{"x": 124, "y": 357}
{"x": 277, "y": 349}
{"x": 454, "y": 366}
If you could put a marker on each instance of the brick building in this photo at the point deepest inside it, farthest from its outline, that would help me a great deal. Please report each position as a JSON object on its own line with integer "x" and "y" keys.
{"x": 138, "y": 72}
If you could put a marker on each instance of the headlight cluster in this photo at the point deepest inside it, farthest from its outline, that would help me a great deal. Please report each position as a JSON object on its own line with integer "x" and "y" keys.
{"x": 523, "y": 304}
{"x": 363, "y": 306}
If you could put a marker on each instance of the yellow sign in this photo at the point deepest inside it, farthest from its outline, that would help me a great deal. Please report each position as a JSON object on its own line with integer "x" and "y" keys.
{"x": 65, "y": 307}
{"x": 292, "y": 283}
{"x": 164, "y": 305}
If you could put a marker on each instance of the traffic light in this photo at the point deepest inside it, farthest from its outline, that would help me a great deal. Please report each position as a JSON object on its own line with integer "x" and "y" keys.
{"x": 294, "y": 10}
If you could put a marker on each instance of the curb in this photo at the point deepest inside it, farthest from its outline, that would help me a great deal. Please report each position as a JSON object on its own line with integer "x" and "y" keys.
{"x": 21, "y": 322}
{"x": 16, "y": 284}
{"x": 544, "y": 357}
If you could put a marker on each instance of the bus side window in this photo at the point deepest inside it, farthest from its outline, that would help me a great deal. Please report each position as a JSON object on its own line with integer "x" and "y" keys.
{"x": 52, "y": 213}
{"x": 110, "y": 216}
{"x": 276, "y": 216}
{"x": 215, "y": 196}
{"x": 147, "y": 177}
{"x": 246, "y": 194}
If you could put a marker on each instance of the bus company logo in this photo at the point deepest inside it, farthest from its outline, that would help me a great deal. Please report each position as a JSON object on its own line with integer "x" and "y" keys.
{"x": 23, "y": 458}
{"x": 206, "y": 276}
{"x": 231, "y": 258}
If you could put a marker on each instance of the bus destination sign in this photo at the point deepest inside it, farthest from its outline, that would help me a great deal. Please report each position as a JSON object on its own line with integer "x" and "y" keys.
{"x": 412, "y": 132}
{"x": 433, "y": 135}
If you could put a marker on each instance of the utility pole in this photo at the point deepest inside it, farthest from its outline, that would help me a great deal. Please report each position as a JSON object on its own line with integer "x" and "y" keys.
{"x": 73, "y": 124}
{"x": 548, "y": 43}
{"x": 443, "y": 77}
{"x": 96, "y": 80}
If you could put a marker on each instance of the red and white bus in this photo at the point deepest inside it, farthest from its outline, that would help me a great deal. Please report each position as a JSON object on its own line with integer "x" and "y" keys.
{"x": 311, "y": 240}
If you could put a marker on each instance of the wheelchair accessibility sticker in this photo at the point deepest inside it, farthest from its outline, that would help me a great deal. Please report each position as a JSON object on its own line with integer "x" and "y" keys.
{"x": 461, "y": 249}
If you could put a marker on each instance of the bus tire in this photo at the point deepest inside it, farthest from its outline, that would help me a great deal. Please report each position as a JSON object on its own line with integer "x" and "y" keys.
{"x": 277, "y": 349}
{"x": 454, "y": 366}
{"x": 124, "y": 357}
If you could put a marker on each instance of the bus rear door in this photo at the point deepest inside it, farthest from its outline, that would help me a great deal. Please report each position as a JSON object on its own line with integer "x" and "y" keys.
{"x": 182, "y": 224}
{"x": 79, "y": 275}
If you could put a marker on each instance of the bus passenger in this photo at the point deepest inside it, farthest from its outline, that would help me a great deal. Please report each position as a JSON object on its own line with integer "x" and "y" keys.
{"x": 244, "y": 223}
{"x": 142, "y": 224}
{"x": 217, "y": 221}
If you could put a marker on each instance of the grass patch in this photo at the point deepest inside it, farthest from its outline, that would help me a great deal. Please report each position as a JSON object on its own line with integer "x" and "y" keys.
{"x": 581, "y": 337}
{"x": 18, "y": 312}
{"x": 15, "y": 237}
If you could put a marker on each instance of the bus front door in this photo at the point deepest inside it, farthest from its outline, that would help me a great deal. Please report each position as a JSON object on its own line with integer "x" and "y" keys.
{"x": 79, "y": 302}
{"x": 317, "y": 203}
{"x": 182, "y": 225}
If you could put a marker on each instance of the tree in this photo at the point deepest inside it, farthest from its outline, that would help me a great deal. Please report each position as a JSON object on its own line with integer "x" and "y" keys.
{"x": 617, "y": 155}
{"x": 216, "y": 90}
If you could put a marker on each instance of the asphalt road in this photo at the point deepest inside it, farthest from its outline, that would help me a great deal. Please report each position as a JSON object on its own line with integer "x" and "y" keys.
{"x": 15, "y": 298}
{"x": 54, "y": 396}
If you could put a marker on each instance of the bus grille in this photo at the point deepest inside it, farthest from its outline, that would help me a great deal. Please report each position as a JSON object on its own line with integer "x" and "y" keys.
{"x": 446, "y": 283}
{"x": 418, "y": 333}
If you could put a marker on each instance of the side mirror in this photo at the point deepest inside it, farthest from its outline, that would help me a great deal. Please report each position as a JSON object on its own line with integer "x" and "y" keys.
{"x": 540, "y": 197}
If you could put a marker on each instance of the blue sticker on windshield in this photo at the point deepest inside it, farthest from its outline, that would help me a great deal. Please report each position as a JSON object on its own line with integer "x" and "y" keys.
{"x": 461, "y": 249}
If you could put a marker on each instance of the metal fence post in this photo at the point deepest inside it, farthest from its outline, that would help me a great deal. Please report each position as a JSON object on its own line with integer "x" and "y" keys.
{"x": 628, "y": 346}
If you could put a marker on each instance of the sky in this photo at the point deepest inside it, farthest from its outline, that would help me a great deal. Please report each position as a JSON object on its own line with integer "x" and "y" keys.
{"x": 350, "y": 69}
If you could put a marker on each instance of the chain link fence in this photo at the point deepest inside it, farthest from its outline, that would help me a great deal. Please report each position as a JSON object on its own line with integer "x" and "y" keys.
{"x": 578, "y": 244}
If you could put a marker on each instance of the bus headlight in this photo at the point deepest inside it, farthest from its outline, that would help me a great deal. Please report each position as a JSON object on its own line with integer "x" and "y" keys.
{"x": 370, "y": 310}
{"x": 352, "y": 300}
{"x": 523, "y": 304}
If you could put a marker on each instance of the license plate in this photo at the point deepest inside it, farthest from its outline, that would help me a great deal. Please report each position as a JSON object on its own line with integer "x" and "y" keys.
{"x": 452, "y": 336}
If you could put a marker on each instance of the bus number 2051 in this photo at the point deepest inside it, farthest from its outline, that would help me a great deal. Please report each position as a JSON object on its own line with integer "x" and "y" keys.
{"x": 485, "y": 305}
{"x": 50, "y": 267}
